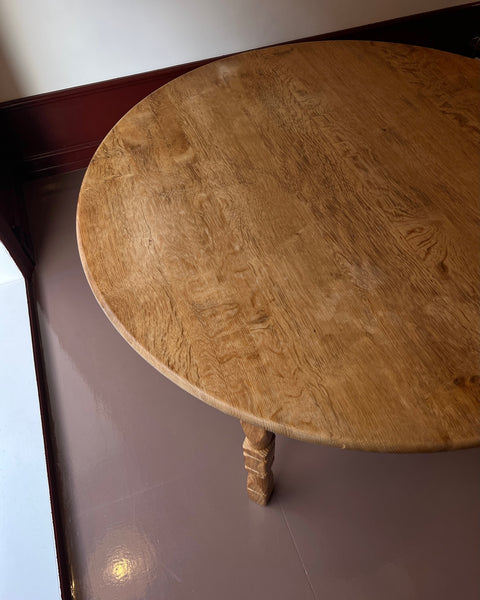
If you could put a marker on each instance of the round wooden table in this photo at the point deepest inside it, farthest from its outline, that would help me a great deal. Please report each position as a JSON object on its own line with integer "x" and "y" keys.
{"x": 292, "y": 236}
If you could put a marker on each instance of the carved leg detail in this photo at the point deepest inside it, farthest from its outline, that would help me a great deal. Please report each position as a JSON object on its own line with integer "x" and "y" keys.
{"x": 258, "y": 451}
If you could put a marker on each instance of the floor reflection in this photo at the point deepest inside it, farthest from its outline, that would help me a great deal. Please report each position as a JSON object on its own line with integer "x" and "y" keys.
{"x": 123, "y": 558}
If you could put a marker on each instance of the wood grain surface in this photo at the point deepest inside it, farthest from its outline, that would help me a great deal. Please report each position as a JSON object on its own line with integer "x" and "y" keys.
{"x": 258, "y": 454}
{"x": 292, "y": 236}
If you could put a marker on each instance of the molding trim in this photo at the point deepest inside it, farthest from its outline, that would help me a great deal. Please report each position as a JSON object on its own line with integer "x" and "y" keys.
{"x": 59, "y": 131}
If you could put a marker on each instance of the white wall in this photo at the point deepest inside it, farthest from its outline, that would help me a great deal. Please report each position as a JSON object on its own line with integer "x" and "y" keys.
{"x": 27, "y": 547}
{"x": 8, "y": 269}
{"x": 55, "y": 44}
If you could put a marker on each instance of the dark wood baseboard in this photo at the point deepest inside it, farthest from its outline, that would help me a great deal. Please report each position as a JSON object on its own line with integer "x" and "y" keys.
{"x": 59, "y": 131}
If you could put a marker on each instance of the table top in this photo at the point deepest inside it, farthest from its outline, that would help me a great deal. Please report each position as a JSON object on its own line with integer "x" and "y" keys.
{"x": 292, "y": 236}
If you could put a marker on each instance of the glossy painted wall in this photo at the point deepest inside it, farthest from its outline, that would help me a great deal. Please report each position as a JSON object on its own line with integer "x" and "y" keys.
{"x": 154, "y": 486}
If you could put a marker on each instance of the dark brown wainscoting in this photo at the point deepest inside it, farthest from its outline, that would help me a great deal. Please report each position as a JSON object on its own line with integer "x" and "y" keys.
{"x": 13, "y": 217}
{"x": 10, "y": 237}
{"x": 59, "y": 131}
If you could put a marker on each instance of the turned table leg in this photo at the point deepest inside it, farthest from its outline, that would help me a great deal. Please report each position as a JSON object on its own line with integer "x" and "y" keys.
{"x": 258, "y": 450}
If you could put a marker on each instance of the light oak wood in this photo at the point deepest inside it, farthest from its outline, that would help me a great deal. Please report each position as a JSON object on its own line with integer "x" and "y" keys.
{"x": 258, "y": 452}
{"x": 292, "y": 236}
